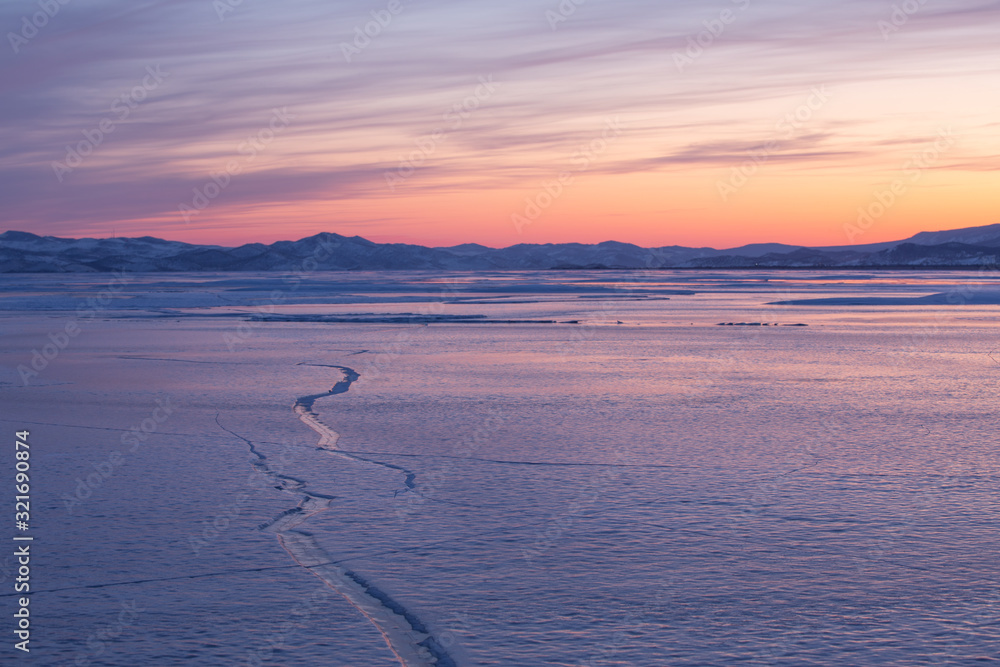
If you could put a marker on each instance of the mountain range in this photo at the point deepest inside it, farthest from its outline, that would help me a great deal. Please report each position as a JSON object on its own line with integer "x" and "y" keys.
{"x": 23, "y": 252}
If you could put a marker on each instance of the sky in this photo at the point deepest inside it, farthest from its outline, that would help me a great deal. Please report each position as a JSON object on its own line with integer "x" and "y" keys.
{"x": 441, "y": 122}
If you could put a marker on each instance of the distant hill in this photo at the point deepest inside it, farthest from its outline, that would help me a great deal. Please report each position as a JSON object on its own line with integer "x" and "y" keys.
{"x": 982, "y": 236}
{"x": 23, "y": 252}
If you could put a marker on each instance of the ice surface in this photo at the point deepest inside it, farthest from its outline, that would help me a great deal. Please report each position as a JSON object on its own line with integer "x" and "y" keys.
{"x": 662, "y": 491}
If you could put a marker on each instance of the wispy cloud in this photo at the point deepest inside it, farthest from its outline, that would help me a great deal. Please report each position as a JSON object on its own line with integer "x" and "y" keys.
{"x": 354, "y": 119}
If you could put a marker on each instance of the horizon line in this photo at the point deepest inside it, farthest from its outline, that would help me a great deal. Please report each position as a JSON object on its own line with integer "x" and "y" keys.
{"x": 470, "y": 243}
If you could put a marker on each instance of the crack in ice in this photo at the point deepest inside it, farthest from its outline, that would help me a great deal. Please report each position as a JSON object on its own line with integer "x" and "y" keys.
{"x": 405, "y": 635}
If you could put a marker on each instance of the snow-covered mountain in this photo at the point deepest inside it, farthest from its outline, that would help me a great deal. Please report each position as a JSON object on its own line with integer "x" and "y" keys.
{"x": 23, "y": 252}
{"x": 989, "y": 235}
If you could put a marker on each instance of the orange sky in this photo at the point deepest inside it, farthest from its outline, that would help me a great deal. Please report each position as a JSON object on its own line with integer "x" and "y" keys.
{"x": 453, "y": 127}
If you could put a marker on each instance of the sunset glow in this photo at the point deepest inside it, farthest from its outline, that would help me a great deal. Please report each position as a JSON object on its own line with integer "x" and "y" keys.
{"x": 527, "y": 122}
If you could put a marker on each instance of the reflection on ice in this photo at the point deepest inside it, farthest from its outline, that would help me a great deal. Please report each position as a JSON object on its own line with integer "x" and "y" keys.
{"x": 524, "y": 480}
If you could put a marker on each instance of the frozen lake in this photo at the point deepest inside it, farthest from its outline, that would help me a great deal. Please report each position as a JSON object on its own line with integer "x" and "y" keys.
{"x": 553, "y": 468}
